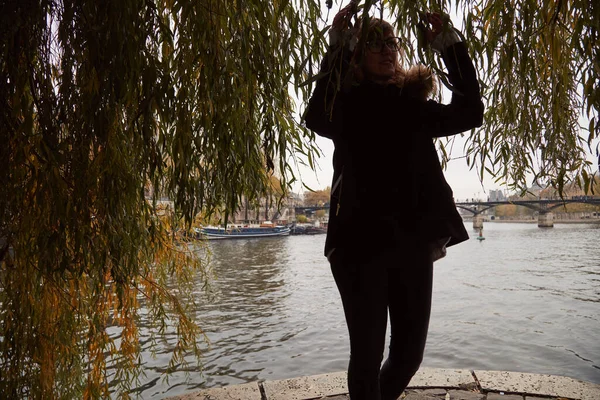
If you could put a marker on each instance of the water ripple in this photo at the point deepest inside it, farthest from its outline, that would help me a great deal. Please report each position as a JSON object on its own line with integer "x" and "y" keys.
{"x": 525, "y": 300}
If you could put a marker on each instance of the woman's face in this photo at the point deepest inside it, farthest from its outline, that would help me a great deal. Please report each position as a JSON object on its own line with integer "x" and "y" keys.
{"x": 380, "y": 58}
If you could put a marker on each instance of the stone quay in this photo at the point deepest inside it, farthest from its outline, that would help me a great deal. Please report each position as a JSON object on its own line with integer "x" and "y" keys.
{"x": 427, "y": 384}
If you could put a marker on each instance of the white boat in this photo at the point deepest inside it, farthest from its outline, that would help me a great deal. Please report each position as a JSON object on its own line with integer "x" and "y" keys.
{"x": 242, "y": 232}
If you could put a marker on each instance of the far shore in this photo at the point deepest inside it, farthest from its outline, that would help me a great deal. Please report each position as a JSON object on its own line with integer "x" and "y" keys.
{"x": 534, "y": 221}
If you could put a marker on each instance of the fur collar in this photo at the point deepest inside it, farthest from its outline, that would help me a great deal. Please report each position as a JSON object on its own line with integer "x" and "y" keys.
{"x": 418, "y": 82}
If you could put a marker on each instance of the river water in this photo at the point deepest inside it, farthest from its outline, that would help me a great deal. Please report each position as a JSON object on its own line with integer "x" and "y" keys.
{"x": 525, "y": 299}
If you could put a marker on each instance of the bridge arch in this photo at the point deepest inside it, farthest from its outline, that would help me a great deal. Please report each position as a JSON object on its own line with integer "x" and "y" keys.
{"x": 543, "y": 207}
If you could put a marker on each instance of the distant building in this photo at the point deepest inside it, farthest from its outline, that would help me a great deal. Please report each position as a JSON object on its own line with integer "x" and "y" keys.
{"x": 267, "y": 209}
{"x": 281, "y": 212}
{"x": 497, "y": 195}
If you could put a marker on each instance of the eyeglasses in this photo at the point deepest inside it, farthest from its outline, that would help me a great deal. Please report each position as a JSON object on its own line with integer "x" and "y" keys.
{"x": 376, "y": 45}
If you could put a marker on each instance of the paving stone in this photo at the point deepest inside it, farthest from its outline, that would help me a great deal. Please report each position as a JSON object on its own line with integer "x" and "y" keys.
{"x": 498, "y": 396}
{"x": 443, "y": 378}
{"x": 534, "y": 384}
{"x": 544, "y": 398}
{"x": 307, "y": 387}
{"x": 423, "y": 395}
{"x": 246, "y": 391}
{"x": 470, "y": 387}
{"x": 465, "y": 395}
{"x": 434, "y": 392}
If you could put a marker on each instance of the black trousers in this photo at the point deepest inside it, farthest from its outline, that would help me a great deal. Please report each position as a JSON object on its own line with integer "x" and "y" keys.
{"x": 397, "y": 281}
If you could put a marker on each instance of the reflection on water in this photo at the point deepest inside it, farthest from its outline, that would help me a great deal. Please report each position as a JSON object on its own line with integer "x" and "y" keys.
{"x": 521, "y": 300}
{"x": 248, "y": 299}
{"x": 525, "y": 299}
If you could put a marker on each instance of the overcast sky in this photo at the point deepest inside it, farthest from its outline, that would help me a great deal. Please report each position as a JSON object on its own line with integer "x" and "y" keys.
{"x": 464, "y": 182}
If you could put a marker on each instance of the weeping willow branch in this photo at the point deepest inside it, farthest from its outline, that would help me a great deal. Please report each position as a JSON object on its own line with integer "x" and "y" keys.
{"x": 107, "y": 107}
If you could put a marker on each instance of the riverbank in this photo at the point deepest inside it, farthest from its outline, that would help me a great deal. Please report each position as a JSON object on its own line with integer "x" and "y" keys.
{"x": 535, "y": 221}
{"x": 427, "y": 384}
{"x": 523, "y": 299}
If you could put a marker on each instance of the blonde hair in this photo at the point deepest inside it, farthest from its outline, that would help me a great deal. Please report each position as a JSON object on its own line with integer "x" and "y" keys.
{"x": 418, "y": 81}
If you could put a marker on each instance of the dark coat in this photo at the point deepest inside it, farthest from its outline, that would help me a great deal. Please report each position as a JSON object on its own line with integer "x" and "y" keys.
{"x": 388, "y": 186}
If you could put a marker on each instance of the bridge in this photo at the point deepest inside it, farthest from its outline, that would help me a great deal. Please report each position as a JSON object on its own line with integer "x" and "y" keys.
{"x": 543, "y": 207}
{"x": 310, "y": 209}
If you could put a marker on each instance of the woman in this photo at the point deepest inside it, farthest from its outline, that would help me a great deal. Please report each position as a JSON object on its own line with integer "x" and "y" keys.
{"x": 388, "y": 178}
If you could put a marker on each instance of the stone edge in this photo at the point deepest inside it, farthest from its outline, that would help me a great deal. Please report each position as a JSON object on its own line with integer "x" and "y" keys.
{"x": 537, "y": 385}
{"x": 332, "y": 384}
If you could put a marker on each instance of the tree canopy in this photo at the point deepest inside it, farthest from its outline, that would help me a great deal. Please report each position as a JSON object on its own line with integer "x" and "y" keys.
{"x": 317, "y": 197}
{"x": 109, "y": 106}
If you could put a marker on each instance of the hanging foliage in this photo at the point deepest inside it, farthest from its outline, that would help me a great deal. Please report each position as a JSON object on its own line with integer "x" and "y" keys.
{"x": 539, "y": 67}
{"x": 108, "y": 106}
